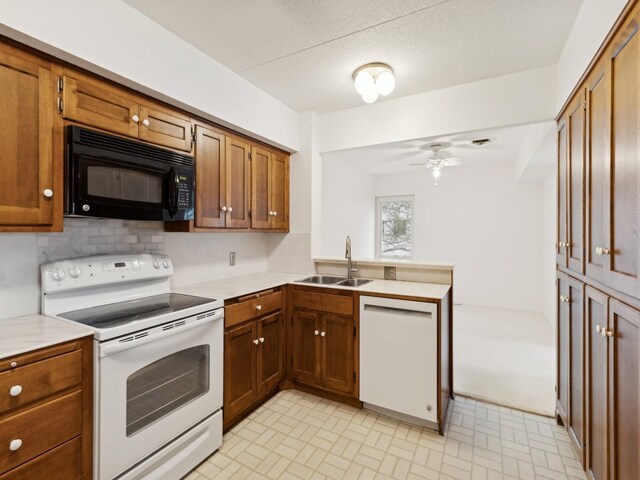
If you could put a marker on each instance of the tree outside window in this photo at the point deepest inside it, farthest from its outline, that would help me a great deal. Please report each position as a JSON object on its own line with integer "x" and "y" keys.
{"x": 394, "y": 227}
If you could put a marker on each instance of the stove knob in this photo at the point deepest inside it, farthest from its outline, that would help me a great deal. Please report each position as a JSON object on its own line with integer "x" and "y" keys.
{"x": 156, "y": 264}
{"x": 75, "y": 272}
{"x": 165, "y": 263}
{"x": 58, "y": 274}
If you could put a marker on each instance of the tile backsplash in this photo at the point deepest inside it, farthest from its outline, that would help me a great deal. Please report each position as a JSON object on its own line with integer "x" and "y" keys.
{"x": 96, "y": 236}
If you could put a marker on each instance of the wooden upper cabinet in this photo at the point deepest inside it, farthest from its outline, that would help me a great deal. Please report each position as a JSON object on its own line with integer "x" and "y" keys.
{"x": 261, "y": 210}
{"x": 210, "y": 159}
{"x": 561, "y": 219}
{"x": 575, "y": 184}
{"x": 597, "y": 169}
{"x": 165, "y": 127}
{"x": 237, "y": 183}
{"x": 279, "y": 185}
{"x": 101, "y": 105}
{"x": 624, "y": 185}
{"x": 31, "y": 180}
{"x": 269, "y": 190}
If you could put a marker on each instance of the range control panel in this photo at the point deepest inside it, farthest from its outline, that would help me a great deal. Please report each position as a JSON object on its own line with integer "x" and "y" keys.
{"x": 103, "y": 270}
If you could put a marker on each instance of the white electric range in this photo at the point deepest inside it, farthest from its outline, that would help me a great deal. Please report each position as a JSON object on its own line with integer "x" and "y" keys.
{"x": 158, "y": 356}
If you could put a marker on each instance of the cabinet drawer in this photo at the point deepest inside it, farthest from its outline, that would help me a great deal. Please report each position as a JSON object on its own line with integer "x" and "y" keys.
{"x": 61, "y": 463}
{"x": 324, "y": 302}
{"x": 40, "y": 429}
{"x": 249, "y": 309}
{"x": 40, "y": 379}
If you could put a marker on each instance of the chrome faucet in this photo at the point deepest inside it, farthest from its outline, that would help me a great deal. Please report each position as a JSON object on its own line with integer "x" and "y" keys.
{"x": 347, "y": 255}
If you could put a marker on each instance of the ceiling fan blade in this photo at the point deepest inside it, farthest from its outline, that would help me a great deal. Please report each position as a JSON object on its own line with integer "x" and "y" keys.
{"x": 421, "y": 164}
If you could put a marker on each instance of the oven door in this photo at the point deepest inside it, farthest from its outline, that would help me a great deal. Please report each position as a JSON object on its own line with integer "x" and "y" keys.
{"x": 152, "y": 389}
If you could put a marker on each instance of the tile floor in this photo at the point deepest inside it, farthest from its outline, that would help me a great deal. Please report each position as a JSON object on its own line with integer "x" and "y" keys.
{"x": 300, "y": 436}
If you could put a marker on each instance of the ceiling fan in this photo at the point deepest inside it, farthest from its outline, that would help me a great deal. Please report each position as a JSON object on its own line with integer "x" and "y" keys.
{"x": 439, "y": 160}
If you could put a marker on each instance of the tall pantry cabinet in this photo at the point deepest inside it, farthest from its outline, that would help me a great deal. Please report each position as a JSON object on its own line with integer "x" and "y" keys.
{"x": 598, "y": 259}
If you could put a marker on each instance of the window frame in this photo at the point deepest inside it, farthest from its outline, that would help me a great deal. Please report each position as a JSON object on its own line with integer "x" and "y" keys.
{"x": 378, "y": 226}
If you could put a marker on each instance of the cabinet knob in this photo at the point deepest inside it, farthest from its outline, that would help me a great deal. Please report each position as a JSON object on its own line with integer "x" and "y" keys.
{"x": 135, "y": 118}
{"x": 598, "y": 328}
{"x": 270, "y": 213}
{"x": 316, "y": 332}
{"x": 602, "y": 251}
{"x": 322, "y": 334}
{"x": 145, "y": 122}
{"x": 275, "y": 214}
{"x": 15, "y": 444}
{"x": 258, "y": 307}
{"x": 561, "y": 244}
{"x": 15, "y": 390}
{"x": 230, "y": 209}
{"x": 564, "y": 299}
{"x": 261, "y": 339}
{"x": 609, "y": 333}
{"x": 14, "y": 364}
{"x": 567, "y": 244}
{"x": 224, "y": 208}
{"x": 48, "y": 192}
{"x": 256, "y": 341}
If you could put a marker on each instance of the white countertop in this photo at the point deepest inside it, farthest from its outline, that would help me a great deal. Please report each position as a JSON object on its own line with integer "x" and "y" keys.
{"x": 32, "y": 332}
{"x": 227, "y": 288}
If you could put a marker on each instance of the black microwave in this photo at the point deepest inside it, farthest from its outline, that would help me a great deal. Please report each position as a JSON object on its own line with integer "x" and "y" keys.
{"x": 112, "y": 177}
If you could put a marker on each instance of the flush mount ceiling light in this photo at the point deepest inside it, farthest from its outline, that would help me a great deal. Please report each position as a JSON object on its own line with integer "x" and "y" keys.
{"x": 372, "y": 80}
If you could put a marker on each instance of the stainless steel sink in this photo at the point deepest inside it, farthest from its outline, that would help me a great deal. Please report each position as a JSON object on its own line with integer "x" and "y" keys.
{"x": 354, "y": 282}
{"x": 323, "y": 279}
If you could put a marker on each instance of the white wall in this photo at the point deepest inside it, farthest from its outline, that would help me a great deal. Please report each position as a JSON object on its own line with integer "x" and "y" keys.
{"x": 347, "y": 209}
{"x": 594, "y": 20}
{"x": 549, "y": 215}
{"x": 114, "y": 39}
{"x": 485, "y": 222}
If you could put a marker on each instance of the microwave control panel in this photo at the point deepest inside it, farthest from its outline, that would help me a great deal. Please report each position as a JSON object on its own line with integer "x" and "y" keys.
{"x": 185, "y": 197}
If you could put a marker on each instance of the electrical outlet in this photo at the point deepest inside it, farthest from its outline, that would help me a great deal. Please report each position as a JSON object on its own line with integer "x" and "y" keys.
{"x": 232, "y": 258}
{"x": 389, "y": 273}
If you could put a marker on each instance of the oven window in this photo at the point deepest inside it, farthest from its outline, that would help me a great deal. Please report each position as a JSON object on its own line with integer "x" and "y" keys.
{"x": 165, "y": 385}
{"x": 123, "y": 184}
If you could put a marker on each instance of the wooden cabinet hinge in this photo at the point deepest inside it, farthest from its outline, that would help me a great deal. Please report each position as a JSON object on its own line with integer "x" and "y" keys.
{"x": 193, "y": 136}
{"x": 250, "y": 157}
{"x": 60, "y": 84}
{"x": 60, "y": 105}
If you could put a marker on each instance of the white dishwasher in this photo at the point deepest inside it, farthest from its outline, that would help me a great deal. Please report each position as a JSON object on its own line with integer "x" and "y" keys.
{"x": 399, "y": 358}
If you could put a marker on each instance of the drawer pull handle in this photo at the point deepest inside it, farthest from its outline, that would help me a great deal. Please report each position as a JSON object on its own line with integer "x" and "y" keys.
{"x": 15, "y": 390}
{"x": 258, "y": 307}
{"x": 15, "y": 444}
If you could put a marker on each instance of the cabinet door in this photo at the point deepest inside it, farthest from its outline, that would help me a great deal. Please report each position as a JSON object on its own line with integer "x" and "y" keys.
{"x": 561, "y": 228}
{"x": 26, "y": 137}
{"x": 279, "y": 185}
{"x": 562, "y": 345}
{"x": 623, "y": 199}
{"x": 306, "y": 347}
{"x": 576, "y": 414}
{"x": 269, "y": 352}
{"x": 261, "y": 212}
{"x": 210, "y": 178}
{"x": 597, "y": 371}
{"x": 164, "y": 127}
{"x": 337, "y": 353}
{"x": 240, "y": 389}
{"x": 624, "y": 397}
{"x": 237, "y": 183}
{"x": 99, "y": 106}
{"x": 597, "y": 174}
{"x": 575, "y": 184}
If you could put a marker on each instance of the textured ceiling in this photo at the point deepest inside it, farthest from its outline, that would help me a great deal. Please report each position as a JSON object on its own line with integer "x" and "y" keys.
{"x": 397, "y": 157}
{"x": 303, "y": 52}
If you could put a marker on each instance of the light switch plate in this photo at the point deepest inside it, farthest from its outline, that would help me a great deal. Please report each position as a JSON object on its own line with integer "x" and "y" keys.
{"x": 232, "y": 259}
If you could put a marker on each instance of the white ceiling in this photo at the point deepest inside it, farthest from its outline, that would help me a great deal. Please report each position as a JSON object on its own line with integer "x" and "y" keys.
{"x": 397, "y": 157}
{"x": 303, "y": 52}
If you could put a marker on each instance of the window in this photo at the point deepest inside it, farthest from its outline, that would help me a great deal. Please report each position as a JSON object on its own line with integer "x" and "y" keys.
{"x": 394, "y": 227}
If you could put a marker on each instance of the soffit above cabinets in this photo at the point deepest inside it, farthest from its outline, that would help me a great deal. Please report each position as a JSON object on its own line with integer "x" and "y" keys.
{"x": 303, "y": 52}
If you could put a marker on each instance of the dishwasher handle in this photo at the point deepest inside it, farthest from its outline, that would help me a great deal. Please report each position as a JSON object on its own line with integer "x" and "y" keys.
{"x": 396, "y": 310}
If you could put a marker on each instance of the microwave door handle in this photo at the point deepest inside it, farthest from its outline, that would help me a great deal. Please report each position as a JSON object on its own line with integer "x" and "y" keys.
{"x": 174, "y": 190}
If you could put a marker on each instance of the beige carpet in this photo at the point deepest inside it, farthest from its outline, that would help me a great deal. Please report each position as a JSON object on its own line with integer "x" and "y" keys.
{"x": 505, "y": 357}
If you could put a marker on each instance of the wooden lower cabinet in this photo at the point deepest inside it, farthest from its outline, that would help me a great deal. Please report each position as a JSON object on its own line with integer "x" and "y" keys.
{"x": 48, "y": 422}
{"x": 323, "y": 342}
{"x": 253, "y": 364}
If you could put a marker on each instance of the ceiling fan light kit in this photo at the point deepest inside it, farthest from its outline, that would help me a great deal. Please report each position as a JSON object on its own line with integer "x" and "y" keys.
{"x": 372, "y": 80}
{"x": 438, "y": 161}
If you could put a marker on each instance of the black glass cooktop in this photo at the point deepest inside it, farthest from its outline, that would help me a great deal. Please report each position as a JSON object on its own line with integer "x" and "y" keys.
{"x": 121, "y": 313}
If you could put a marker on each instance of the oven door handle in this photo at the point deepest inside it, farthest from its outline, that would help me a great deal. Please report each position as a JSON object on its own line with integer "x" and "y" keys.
{"x": 116, "y": 347}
